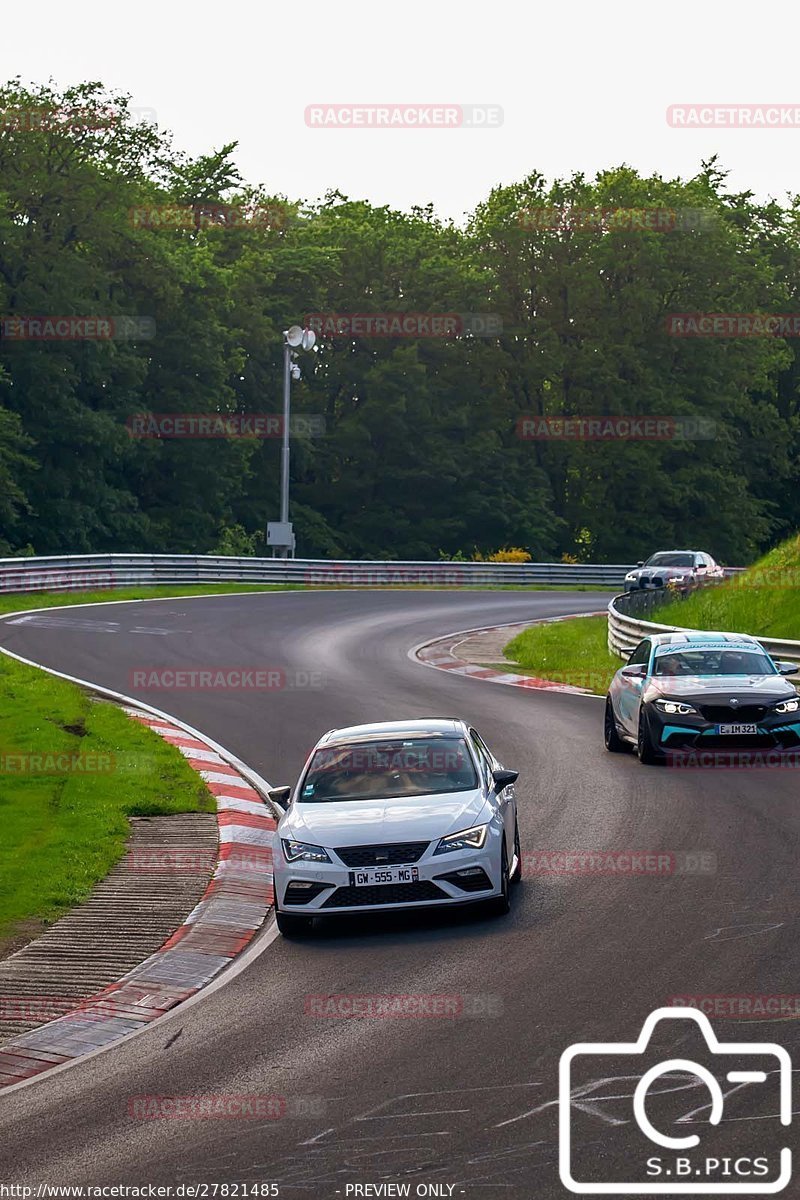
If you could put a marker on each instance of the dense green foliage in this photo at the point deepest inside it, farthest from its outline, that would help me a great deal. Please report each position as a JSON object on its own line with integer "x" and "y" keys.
{"x": 421, "y": 455}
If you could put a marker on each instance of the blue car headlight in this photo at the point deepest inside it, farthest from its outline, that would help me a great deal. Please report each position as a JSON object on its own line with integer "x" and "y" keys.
{"x": 303, "y": 852}
{"x": 466, "y": 839}
{"x": 786, "y": 706}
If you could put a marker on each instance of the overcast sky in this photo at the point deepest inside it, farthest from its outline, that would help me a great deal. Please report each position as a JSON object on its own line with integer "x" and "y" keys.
{"x": 582, "y": 86}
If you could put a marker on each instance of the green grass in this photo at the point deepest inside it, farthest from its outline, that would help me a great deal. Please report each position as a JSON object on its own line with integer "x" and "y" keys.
{"x": 62, "y": 832}
{"x": 573, "y": 652}
{"x": 764, "y": 601}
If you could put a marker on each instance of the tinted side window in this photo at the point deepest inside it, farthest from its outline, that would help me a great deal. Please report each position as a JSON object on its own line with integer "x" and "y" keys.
{"x": 483, "y": 760}
{"x": 641, "y": 654}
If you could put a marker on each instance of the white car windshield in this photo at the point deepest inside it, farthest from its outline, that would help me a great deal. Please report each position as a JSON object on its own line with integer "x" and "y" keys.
{"x": 388, "y": 769}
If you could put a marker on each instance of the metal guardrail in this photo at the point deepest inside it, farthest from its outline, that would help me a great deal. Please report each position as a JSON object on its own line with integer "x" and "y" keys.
{"x": 626, "y": 631}
{"x": 93, "y": 572}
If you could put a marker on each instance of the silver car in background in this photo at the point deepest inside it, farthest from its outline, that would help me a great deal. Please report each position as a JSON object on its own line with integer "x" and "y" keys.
{"x": 682, "y": 568}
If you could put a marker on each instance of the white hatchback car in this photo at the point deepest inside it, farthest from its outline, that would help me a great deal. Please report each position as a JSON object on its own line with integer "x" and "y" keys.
{"x": 392, "y": 816}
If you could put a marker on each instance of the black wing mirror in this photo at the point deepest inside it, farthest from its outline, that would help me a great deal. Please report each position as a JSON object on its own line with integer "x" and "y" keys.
{"x": 280, "y": 796}
{"x": 787, "y": 668}
{"x": 503, "y": 778}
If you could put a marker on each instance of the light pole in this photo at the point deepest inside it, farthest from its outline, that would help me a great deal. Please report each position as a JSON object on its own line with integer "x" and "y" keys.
{"x": 280, "y": 534}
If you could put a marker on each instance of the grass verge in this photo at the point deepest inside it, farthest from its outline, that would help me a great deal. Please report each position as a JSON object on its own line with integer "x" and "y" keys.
{"x": 573, "y": 652}
{"x": 71, "y": 773}
{"x": 764, "y": 600}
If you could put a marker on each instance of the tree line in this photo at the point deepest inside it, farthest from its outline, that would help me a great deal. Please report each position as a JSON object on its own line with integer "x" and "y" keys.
{"x": 582, "y": 369}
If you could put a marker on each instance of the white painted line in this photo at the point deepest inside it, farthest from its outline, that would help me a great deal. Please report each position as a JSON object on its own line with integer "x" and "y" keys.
{"x": 228, "y": 777}
{"x": 200, "y": 755}
{"x": 234, "y": 804}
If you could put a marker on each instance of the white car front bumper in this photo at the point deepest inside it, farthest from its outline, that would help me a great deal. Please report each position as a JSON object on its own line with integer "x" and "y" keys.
{"x": 333, "y": 887}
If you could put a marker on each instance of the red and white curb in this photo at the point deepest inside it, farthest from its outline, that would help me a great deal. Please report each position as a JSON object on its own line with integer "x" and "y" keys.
{"x": 232, "y": 909}
{"x": 440, "y": 653}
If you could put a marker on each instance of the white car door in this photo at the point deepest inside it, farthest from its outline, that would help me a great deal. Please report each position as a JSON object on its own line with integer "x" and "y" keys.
{"x": 504, "y": 801}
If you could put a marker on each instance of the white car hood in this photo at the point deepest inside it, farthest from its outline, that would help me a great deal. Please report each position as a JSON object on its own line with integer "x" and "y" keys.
{"x": 371, "y": 822}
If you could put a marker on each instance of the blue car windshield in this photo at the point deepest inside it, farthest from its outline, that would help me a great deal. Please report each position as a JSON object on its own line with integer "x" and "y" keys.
{"x": 388, "y": 770}
{"x": 714, "y": 662}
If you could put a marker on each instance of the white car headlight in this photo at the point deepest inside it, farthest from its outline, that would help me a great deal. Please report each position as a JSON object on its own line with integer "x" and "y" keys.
{"x": 787, "y": 706}
{"x": 466, "y": 839}
{"x": 676, "y": 707}
{"x": 629, "y": 578}
{"x": 303, "y": 852}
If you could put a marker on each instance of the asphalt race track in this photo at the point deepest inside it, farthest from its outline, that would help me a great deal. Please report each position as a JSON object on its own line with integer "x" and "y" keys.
{"x": 466, "y": 1103}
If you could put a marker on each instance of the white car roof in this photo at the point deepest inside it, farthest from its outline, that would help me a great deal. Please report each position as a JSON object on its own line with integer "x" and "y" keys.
{"x": 416, "y": 727}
